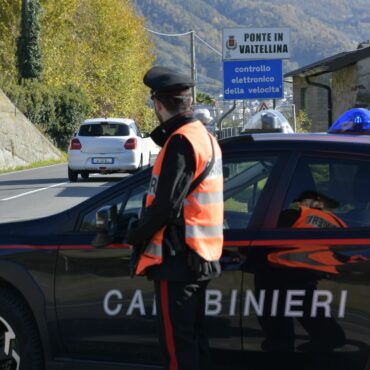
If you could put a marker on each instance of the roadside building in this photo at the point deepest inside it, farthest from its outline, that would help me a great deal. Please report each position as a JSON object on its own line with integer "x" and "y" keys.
{"x": 327, "y": 88}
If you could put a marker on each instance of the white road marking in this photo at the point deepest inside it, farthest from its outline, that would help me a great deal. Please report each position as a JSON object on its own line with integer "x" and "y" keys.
{"x": 33, "y": 191}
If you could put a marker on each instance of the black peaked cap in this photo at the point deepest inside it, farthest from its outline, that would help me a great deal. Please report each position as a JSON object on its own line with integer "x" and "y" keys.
{"x": 315, "y": 195}
{"x": 165, "y": 80}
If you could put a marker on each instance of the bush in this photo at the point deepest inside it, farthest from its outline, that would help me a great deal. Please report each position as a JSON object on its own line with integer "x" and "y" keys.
{"x": 56, "y": 111}
{"x": 147, "y": 120}
{"x": 71, "y": 107}
{"x": 304, "y": 124}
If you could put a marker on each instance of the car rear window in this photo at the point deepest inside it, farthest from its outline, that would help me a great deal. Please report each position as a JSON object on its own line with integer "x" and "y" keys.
{"x": 104, "y": 129}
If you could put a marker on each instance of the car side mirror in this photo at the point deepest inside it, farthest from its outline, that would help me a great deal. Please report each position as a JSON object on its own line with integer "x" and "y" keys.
{"x": 106, "y": 226}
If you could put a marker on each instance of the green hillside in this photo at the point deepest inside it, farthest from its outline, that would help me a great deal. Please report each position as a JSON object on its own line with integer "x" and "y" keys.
{"x": 319, "y": 28}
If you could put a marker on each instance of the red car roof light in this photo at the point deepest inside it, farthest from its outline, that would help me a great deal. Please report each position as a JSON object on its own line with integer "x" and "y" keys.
{"x": 75, "y": 144}
{"x": 130, "y": 144}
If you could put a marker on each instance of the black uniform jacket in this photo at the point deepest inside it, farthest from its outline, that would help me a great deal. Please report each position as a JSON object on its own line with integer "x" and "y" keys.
{"x": 177, "y": 174}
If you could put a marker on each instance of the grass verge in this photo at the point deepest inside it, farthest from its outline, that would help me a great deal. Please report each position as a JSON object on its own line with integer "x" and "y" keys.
{"x": 63, "y": 159}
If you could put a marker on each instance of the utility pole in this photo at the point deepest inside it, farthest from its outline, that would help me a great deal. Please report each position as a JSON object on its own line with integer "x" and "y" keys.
{"x": 193, "y": 66}
{"x": 193, "y": 35}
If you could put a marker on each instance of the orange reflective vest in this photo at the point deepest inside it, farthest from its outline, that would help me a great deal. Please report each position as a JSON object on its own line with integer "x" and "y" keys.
{"x": 316, "y": 218}
{"x": 202, "y": 209}
{"x": 316, "y": 257}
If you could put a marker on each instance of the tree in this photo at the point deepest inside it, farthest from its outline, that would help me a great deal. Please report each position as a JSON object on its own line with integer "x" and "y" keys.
{"x": 28, "y": 48}
{"x": 99, "y": 46}
{"x": 9, "y": 30}
{"x": 203, "y": 98}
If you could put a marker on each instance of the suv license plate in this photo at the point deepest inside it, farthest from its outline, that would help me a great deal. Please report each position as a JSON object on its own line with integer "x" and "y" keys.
{"x": 102, "y": 160}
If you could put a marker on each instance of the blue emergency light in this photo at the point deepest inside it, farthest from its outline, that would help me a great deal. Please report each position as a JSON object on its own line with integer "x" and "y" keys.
{"x": 354, "y": 121}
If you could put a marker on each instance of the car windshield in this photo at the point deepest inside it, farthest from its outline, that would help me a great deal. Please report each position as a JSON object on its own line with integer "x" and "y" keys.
{"x": 104, "y": 129}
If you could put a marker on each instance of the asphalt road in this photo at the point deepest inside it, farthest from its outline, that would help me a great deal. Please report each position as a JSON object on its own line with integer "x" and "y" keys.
{"x": 44, "y": 191}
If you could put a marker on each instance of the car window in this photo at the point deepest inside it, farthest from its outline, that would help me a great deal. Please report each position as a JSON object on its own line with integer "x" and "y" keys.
{"x": 341, "y": 184}
{"x": 134, "y": 129}
{"x": 104, "y": 129}
{"x": 88, "y": 221}
{"x": 133, "y": 206}
{"x": 137, "y": 130}
{"x": 245, "y": 180}
{"x": 128, "y": 204}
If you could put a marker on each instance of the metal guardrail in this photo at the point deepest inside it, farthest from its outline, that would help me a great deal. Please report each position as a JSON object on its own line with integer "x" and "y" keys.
{"x": 229, "y": 132}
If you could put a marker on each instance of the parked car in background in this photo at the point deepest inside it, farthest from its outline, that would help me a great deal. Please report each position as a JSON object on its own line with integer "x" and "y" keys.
{"x": 107, "y": 145}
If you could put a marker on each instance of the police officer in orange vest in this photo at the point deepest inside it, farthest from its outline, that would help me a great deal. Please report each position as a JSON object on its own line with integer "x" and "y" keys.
{"x": 180, "y": 234}
{"x": 311, "y": 210}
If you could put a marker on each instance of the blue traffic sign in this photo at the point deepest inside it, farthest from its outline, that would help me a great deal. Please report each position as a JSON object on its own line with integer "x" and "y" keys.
{"x": 253, "y": 79}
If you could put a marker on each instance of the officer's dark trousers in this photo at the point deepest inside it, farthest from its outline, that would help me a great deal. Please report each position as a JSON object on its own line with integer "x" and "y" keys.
{"x": 181, "y": 318}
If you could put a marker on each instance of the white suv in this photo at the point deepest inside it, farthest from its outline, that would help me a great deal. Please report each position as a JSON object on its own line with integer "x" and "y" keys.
{"x": 107, "y": 145}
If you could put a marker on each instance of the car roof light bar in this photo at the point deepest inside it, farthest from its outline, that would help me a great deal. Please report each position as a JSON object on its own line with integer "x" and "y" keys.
{"x": 355, "y": 121}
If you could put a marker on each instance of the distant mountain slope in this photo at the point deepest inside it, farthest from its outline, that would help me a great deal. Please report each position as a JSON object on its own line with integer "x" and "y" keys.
{"x": 319, "y": 28}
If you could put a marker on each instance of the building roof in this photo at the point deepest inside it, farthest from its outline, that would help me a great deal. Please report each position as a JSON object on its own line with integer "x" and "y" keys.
{"x": 332, "y": 63}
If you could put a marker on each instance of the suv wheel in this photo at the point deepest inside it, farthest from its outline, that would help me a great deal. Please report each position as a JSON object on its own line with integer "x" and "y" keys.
{"x": 72, "y": 175}
{"x": 20, "y": 346}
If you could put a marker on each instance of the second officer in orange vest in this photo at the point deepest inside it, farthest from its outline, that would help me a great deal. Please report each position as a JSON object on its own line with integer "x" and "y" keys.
{"x": 293, "y": 269}
{"x": 180, "y": 233}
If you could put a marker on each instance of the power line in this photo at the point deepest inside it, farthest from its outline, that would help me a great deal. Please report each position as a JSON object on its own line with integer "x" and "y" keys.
{"x": 192, "y": 50}
{"x": 208, "y": 45}
{"x": 184, "y": 34}
{"x": 169, "y": 34}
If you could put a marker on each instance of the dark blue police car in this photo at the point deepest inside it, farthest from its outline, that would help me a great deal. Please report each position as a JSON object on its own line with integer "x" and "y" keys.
{"x": 289, "y": 297}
